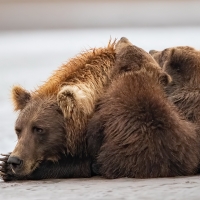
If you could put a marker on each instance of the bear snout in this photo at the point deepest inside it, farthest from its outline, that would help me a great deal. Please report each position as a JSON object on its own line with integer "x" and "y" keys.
{"x": 151, "y": 52}
{"x": 15, "y": 163}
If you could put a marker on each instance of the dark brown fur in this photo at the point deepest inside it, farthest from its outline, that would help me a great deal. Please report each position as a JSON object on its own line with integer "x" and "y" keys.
{"x": 66, "y": 167}
{"x": 136, "y": 131}
{"x": 52, "y": 119}
{"x": 183, "y": 65}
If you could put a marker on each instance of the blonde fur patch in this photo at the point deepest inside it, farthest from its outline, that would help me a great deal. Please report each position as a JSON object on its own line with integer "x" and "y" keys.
{"x": 78, "y": 84}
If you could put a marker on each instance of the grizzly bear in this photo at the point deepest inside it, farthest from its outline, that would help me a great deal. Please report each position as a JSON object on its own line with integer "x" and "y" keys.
{"x": 135, "y": 130}
{"x": 52, "y": 119}
{"x": 182, "y": 63}
{"x": 65, "y": 167}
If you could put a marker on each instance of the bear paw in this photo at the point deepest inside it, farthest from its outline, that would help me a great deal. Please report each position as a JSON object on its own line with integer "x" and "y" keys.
{"x": 5, "y": 171}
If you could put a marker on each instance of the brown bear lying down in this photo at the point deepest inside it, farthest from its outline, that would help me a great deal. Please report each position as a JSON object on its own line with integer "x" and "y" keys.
{"x": 183, "y": 65}
{"x": 51, "y": 126}
{"x": 135, "y": 131}
{"x": 65, "y": 167}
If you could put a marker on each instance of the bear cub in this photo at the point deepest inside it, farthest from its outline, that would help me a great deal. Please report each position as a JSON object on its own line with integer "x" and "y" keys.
{"x": 135, "y": 131}
{"x": 182, "y": 63}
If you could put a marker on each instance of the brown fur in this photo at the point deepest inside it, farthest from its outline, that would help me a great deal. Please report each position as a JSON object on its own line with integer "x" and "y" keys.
{"x": 20, "y": 97}
{"x": 183, "y": 65}
{"x": 136, "y": 131}
{"x": 40, "y": 129}
{"x": 75, "y": 68}
{"x": 72, "y": 90}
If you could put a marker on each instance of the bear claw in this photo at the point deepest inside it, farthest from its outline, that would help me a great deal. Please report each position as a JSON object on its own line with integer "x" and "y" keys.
{"x": 5, "y": 171}
{"x": 2, "y": 159}
{"x": 2, "y": 173}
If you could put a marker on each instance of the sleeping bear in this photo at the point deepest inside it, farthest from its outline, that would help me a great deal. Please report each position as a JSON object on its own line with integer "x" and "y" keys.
{"x": 182, "y": 63}
{"x": 135, "y": 130}
{"x": 51, "y": 126}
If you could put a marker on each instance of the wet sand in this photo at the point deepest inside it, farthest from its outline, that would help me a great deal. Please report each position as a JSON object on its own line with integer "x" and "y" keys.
{"x": 183, "y": 188}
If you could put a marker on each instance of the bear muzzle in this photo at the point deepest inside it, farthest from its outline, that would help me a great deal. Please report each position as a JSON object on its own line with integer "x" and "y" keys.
{"x": 15, "y": 163}
{"x": 151, "y": 52}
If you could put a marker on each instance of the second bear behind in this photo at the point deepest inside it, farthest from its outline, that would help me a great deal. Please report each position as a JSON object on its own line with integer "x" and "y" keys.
{"x": 182, "y": 63}
{"x": 136, "y": 131}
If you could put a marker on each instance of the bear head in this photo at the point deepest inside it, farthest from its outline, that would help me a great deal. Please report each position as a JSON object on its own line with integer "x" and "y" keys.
{"x": 40, "y": 128}
{"x": 182, "y": 64}
{"x": 131, "y": 58}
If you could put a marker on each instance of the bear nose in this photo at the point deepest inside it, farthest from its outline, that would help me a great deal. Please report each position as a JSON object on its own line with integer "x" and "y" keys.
{"x": 152, "y": 51}
{"x": 15, "y": 162}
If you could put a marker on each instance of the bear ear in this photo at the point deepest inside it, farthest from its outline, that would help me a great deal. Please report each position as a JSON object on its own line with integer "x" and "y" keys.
{"x": 122, "y": 43}
{"x": 173, "y": 53}
{"x": 165, "y": 79}
{"x": 20, "y": 97}
{"x": 176, "y": 59}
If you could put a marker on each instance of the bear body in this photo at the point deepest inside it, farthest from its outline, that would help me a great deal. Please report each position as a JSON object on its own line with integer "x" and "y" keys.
{"x": 135, "y": 131}
{"x": 183, "y": 65}
{"x": 52, "y": 119}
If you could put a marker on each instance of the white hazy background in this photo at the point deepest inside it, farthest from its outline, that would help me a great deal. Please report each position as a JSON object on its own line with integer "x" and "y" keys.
{"x": 37, "y": 36}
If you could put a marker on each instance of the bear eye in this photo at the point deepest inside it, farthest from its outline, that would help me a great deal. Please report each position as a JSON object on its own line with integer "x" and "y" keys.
{"x": 176, "y": 65}
{"x": 17, "y": 131}
{"x": 125, "y": 68}
{"x": 38, "y": 130}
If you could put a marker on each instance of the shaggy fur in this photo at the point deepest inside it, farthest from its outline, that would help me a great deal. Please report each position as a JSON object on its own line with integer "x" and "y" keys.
{"x": 136, "y": 131}
{"x": 65, "y": 167}
{"x": 183, "y": 65}
{"x": 52, "y": 120}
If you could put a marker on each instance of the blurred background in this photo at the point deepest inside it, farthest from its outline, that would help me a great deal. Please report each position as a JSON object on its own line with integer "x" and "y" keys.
{"x": 37, "y": 36}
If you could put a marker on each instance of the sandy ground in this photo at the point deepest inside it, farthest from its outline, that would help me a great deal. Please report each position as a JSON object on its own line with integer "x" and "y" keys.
{"x": 182, "y": 188}
{"x": 28, "y": 58}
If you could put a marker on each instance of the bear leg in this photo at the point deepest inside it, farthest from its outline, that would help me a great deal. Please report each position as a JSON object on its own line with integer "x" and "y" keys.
{"x": 66, "y": 167}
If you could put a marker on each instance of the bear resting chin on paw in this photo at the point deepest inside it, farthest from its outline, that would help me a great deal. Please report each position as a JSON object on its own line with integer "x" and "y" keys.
{"x": 51, "y": 126}
{"x": 135, "y": 130}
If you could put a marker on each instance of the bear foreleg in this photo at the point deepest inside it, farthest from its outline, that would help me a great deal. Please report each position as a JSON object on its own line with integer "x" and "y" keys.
{"x": 6, "y": 172}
